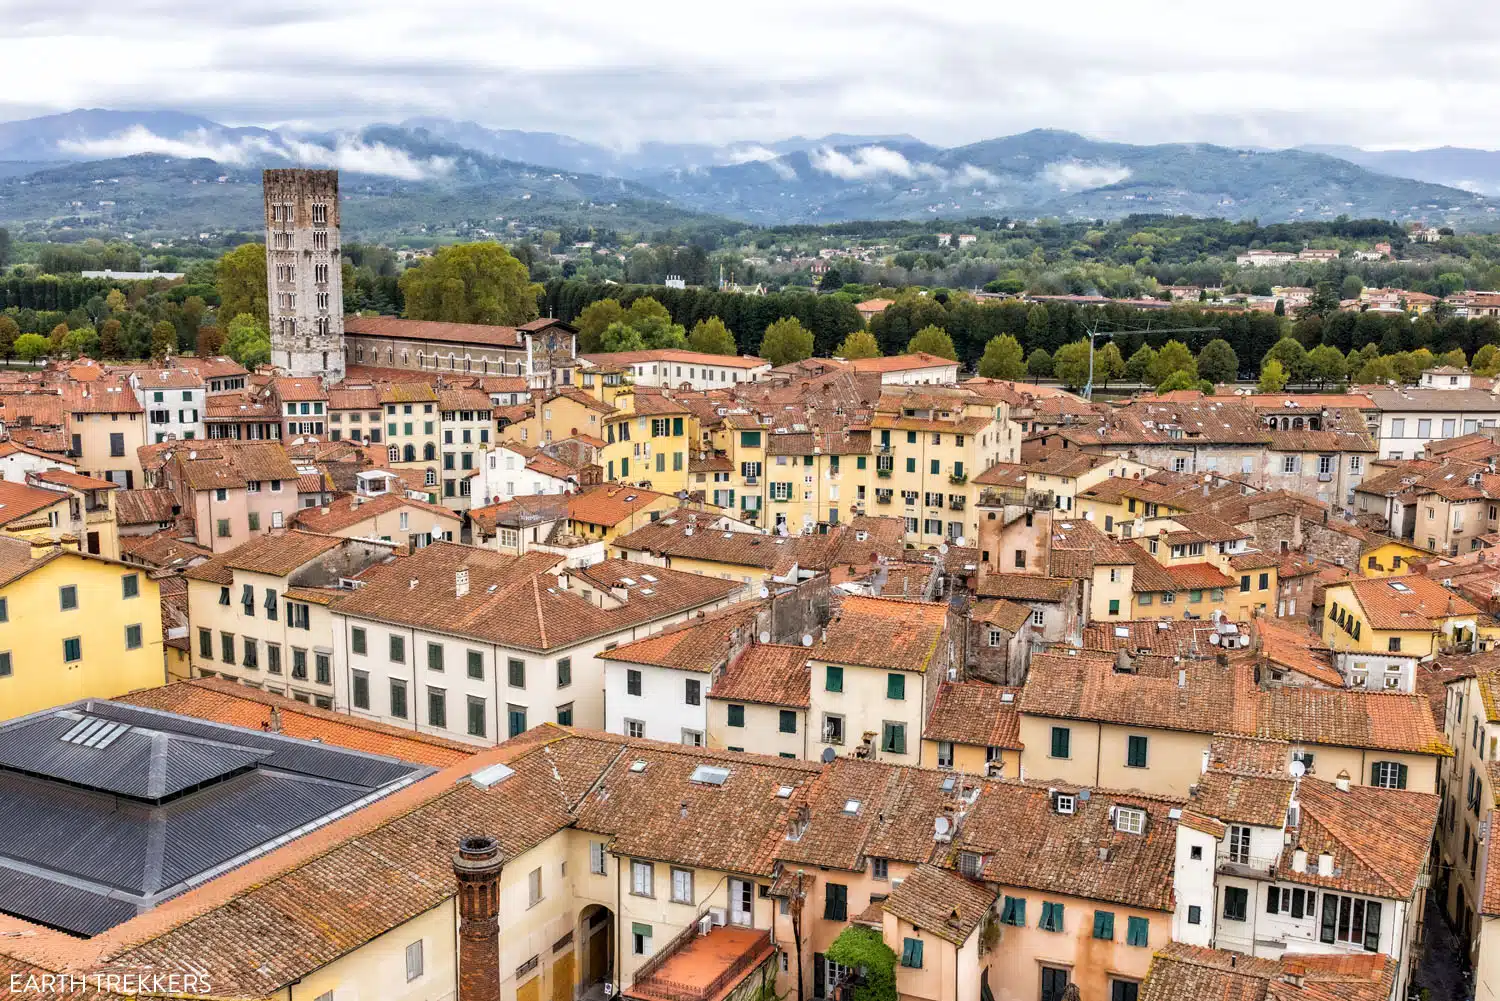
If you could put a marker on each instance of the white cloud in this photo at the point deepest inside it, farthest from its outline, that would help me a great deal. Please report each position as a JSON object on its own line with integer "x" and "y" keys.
{"x": 347, "y": 153}
{"x": 869, "y": 162}
{"x": 1071, "y": 175}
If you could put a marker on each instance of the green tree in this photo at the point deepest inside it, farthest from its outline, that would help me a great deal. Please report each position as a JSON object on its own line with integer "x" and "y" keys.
{"x": 1376, "y": 371}
{"x": 1178, "y": 380}
{"x": 645, "y": 311}
{"x": 786, "y": 341}
{"x": 1070, "y": 365}
{"x": 1326, "y": 364}
{"x": 657, "y": 333}
{"x": 163, "y": 339}
{"x": 862, "y": 948}
{"x": 471, "y": 283}
{"x": 1323, "y": 302}
{"x": 240, "y": 277}
{"x": 1217, "y": 362}
{"x": 1039, "y": 364}
{"x": 111, "y": 342}
{"x": 859, "y": 344}
{"x": 1108, "y": 363}
{"x": 83, "y": 342}
{"x": 9, "y": 331}
{"x": 1456, "y": 358}
{"x": 1292, "y": 355}
{"x": 594, "y": 320}
{"x": 1272, "y": 376}
{"x": 1486, "y": 359}
{"x": 621, "y": 336}
{"x": 1352, "y": 287}
{"x": 711, "y": 337}
{"x": 1038, "y": 323}
{"x": 248, "y": 342}
{"x": 55, "y": 339}
{"x": 1174, "y": 356}
{"x": 1140, "y": 363}
{"x": 1411, "y": 364}
{"x": 1002, "y": 359}
{"x": 31, "y": 347}
{"x": 934, "y": 341}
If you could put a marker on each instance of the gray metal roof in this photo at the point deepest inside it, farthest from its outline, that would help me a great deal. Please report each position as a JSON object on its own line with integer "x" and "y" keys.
{"x": 110, "y": 808}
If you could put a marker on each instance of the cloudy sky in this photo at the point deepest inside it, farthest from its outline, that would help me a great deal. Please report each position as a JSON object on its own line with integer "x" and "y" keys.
{"x": 1375, "y": 73}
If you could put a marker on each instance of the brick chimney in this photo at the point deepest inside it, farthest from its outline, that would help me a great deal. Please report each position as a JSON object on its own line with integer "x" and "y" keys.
{"x": 477, "y": 866}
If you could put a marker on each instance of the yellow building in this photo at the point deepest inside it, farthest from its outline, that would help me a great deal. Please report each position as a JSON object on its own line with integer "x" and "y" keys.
{"x": 565, "y": 412}
{"x": 1256, "y": 583}
{"x": 1384, "y": 557}
{"x": 73, "y": 626}
{"x": 411, "y": 428}
{"x": 874, "y": 677}
{"x": 974, "y": 728}
{"x": 929, "y": 443}
{"x": 611, "y": 509}
{"x": 1414, "y": 616}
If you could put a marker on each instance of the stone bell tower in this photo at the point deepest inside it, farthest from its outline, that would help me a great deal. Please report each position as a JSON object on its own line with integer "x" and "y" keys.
{"x": 304, "y": 280}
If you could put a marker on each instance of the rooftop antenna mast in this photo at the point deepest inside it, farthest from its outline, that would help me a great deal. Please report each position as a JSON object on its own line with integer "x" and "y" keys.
{"x": 1095, "y": 331}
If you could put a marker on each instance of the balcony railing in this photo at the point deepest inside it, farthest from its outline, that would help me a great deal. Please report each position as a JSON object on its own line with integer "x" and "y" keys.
{"x": 649, "y": 983}
{"x": 1249, "y": 865}
{"x": 884, "y": 474}
{"x": 958, "y": 479}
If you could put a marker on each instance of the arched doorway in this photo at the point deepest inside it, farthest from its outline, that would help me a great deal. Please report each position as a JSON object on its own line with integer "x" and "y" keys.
{"x": 594, "y": 947}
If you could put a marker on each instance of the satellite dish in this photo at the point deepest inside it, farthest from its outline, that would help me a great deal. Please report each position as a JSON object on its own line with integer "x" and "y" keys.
{"x": 943, "y": 548}
{"x": 1297, "y": 769}
{"x": 765, "y": 592}
{"x": 828, "y": 755}
{"x": 1213, "y": 638}
{"x": 807, "y": 639}
{"x": 1083, "y": 795}
{"x": 765, "y": 637}
{"x": 959, "y": 541}
{"x": 940, "y": 825}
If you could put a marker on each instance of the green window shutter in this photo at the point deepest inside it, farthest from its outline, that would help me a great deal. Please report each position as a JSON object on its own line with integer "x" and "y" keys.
{"x": 1137, "y": 932}
{"x": 911, "y": 465}
{"x": 788, "y": 721}
{"x": 1061, "y": 737}
{"x": 1136, "y": 752}
{"x": 1104, "y": 925}
{"x": 935, "y": 466}
{"x": 895, "y": 686}
{"x": 958, "y": 469}
{"x": 859, "y": 462}
{"x": 1114, "y": 606}
{"x": 677, "y": 427}
{"x": 911, "y": 953}
{"x": 636, "y": 928}
{"x": 834, "y": 679}
{"x": 911, "y": 437}
{"x": 1400, "y": 776}
{"x": 736, "y": 715}
{"x": 749, "y": 439}
{"x": 835, "y": 902}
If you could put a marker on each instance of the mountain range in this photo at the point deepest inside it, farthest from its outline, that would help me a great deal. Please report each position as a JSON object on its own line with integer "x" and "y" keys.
{"x": 167, "y": 172}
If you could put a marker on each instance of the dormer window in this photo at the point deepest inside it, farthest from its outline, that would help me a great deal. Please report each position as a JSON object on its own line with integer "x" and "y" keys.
{"x": 971, "y": 864}
{"x": 1130, "y": 820}
{"x": 1066, "y": 803}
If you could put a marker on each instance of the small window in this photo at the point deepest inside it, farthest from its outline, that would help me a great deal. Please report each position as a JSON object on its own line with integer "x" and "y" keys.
{"x": 1061, "y": 739}
{"x": 833, "y": 679}
{"x": 736, "y": 715}
{"x": 130, "y": 587}
{"x": 895, "y": 686}
{"x": 632, "y": 681}
{"x": 911, "y": 953}
{"x": 1052, "y": 917}
{"x": 682, "y": 886}
{"x": 398, "y": 649}
{"x": 72, "y": 650}
{"x": 67, "y": 597}
{"x": 788, "y": 721}
{"x": 414, "y": 961}
{"x": 133, "y": 637}
{"x": 1135, "y": 752}
{"x": 1130, "y": 820}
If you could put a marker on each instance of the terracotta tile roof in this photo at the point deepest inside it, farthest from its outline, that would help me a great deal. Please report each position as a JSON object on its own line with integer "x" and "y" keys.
{"x": 1249, "y": 755}
{"x": 610, "y": 359}
{"x": 893, "y": 808}
{"x": 1347, "y": 717}
{"x": 1380, "y": 859}
{"x": 349, "y": 510}
{"x": 513, "y": 601}
{"x": 1002, "y": 474}
{"x": 232, "y": 465}
{"x": 40, "y": 409}
{"x": 766, "y": 673}
{"x": 1255, "y": 561}
{"x": 162, "y": 550}
{"x": 886, "y": 633}
{"x": 101, "y": 398}
{"x": 1188, "y": 638}
{"x": 1197, "y": 577}
{"x": 432, "y": 330}
{"x": 213, "y": 368}
{"x": 701, "y": 644}
{"x": 901, "y": 363}
{"x": 145, "y": 507}
{"x": 289, "y": 389}
{"x": 1025, "y": 842}
{"x": 609, "y": 503}
{"x": 408, "y": 392}
{"x": 521, "y": 512}
{"x": 684, "y": 534}
{"x": 19, "y": 502}
{"x": 1087, "y": 686}
{"x": 278, "y": 555}
{"x": 975, "y": 712}
{"x": 1024, "y": 587}
{"x": 1204, "y": 528}
{"x": 358, "y": 398}
{"x": 1179, "y": 972}
{"x": 1411, "y": 602}
{"x": 1297, "y": 650}
{"x": 456, "y": 398}
{"x": 736, "y": 826}
{"x": 1079, "y": 535}
{"x": 1150, "y": 576}
{"x": 841, "y": 442}
{"x": 1066, "y": 462}
{"x": 998, "y": 612}
{"x": 224, "y": 701}
{"x": 941, "y": 902}
{"x": 1260, "y": 800}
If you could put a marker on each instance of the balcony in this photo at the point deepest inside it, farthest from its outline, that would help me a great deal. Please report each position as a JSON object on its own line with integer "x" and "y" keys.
{"x": 882, "y": 497}
{"x": 883, "y": 449}
{"x": 884, "y": 474}
{"x": 1256, "y": 866}
{"x": 702, "y": 967}
{"x": 956, "y": 503}
{"x": 958, "y": 479}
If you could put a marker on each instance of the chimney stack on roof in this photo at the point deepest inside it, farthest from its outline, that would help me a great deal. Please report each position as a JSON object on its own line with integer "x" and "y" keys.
{"x": 461, "y": 581}
{"x": 477, "y": 865}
